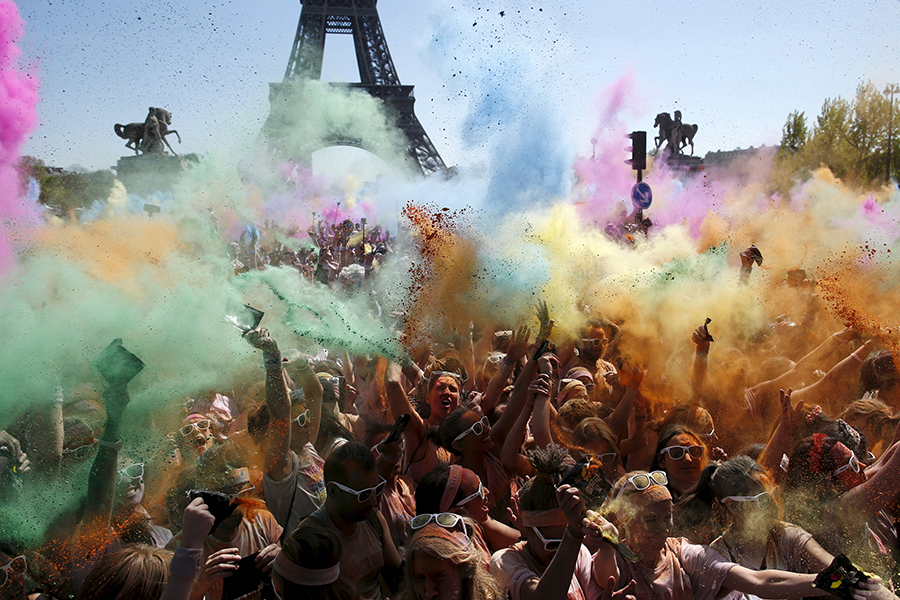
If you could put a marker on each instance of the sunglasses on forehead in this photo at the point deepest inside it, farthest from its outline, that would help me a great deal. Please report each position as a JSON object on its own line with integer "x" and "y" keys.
{"x": 445, "y": 520}
{"x": 642, "y": 481}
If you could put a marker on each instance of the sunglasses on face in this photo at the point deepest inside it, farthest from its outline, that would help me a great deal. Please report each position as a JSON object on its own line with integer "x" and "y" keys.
{"x": 762, "y": 499}
{"x": 591, "y": 342}
{"x": 495, "y": 358}
{"x": 606, "y": 458}
{"x": 642, "y": 481}
{"x": 678, "y": 452}
{"x": 363, "y": 496}
{"x": 477, "y": 428}
{"x": 303, "y": 419}
{"x": 852, "y": 464}
{"x": 481, "y": 492}
{"x": 549, "y": 545}
{"x": 132, "y": 472}
{"x": 456, "y": 376}
{"x": 710, "y": 436}
{"x": 198, "y": 426}
{"x": 16, "y": 566}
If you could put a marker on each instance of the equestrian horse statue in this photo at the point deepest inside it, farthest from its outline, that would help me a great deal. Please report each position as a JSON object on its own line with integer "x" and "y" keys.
{"x": 676, "y": 134}
{"x": 148, "y": 137}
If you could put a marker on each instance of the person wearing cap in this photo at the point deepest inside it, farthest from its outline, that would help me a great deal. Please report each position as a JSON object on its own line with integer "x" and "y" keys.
{"x": 370, "y": 560}
{"x": 666, "y": 567}
{"x": 309, "y": 566}
{"x": 443, "y": 563}
{"x": 293, "y": 481}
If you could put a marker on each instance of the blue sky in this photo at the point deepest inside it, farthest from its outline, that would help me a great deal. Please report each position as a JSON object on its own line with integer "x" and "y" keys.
{"x": 484, "y": 82}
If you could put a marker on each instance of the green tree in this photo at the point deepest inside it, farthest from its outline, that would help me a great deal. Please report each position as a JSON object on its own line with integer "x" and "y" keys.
{"x": 794, "y": 134}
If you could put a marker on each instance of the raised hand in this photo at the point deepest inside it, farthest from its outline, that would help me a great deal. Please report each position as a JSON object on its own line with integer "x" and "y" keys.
{"x": 196, "y": 524}
{"x": 543, "y": 316}
{"x": 791, "y": 414}
{"x": 539, "y": 387}
{"x": 518, "y": 344}
{"x": 573, "y": 506}
{"x": 259, "y": 338}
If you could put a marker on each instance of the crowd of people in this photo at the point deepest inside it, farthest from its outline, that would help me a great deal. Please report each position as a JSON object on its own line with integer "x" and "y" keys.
{"x": 506, "y": 462}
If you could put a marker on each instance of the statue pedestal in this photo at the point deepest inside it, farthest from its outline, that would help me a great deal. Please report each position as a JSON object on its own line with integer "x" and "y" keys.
{"x": 147, "y": 173}
{"x": 684, "y": 162}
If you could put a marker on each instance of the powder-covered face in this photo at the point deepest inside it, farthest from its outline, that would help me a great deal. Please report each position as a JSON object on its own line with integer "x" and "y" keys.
{"x": 435, "y": 578}
{"x": 443, "y": 397}
{"x": 683, "y": 472}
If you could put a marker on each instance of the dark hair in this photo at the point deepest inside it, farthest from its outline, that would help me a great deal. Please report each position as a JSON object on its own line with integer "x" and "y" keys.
{"x": 665, "y": 436}
{"x": 539, "y": 493}
{"x": 753, "y": 450}
{"x": 430, "y": 490}
{"x": 450, "y": 427}
{"x": 351, "y": 454}
{"x": 868, "y": 377}
{"x": 593, "y": 429}
{"x": 330, "y": 428}
{"x": 316, "y": 548}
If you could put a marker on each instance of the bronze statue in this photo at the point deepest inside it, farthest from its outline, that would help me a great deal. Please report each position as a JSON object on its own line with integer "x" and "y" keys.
{"x": 676, "y": 134}
{"x": 148, "y": 137}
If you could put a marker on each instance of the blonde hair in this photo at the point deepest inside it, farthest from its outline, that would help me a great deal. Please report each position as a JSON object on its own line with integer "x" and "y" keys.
{"x": 477, "y": 582}
{"x": 136, "y": 572}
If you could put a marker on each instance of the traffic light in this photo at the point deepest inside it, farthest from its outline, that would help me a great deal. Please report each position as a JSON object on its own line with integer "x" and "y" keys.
{"x": 638, "y": 160}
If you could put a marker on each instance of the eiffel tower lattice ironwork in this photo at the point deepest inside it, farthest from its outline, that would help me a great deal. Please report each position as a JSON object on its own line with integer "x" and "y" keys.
{"x": 377, "y": 74}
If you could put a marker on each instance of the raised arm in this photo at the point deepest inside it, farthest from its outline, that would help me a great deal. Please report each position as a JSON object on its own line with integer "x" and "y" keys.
{"x": 510, "y": 456}
{"x": 837, "y": 382}
{"x": 399, "y": 403}
{"x": 618, "y": 420}
{"x": 278, "y": 463}
{"x": 781, "y": 437}
{"x": 102, "y": 478}
{"x": 518, "y": 344}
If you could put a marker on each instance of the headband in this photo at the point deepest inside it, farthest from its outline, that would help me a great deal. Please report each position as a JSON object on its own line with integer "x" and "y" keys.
{"x": 570, "y": 386}
{"x": 294, "y": 573}
{"x": 432, "y": 531}
{"x": 543, "y": 518}
{"x": 456, "y": 472}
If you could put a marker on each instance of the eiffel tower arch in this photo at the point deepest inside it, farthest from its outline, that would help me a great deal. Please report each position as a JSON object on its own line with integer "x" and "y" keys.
{"x": 378, "y": 78}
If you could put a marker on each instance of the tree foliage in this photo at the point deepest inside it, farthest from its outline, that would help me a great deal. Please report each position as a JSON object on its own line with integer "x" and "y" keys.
{"x": 63, "y": 192}
{"x": 849, "y": 137}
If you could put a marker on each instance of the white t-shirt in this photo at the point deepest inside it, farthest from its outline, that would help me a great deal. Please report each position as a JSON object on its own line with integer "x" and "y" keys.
{"x": 305, "y": 484}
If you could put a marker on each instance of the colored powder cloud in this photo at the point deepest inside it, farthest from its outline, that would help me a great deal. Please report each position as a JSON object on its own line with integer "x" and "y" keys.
{"x": 18, "y": 116}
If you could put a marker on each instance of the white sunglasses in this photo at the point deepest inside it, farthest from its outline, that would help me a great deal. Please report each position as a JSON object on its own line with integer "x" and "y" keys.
{"x": 481, "y": 492}
{"x": 762, "y": 499}
{"x": 477, "y": 428}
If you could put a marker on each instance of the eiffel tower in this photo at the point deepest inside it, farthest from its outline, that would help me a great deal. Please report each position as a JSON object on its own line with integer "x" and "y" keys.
{"x": 377, "y": 75}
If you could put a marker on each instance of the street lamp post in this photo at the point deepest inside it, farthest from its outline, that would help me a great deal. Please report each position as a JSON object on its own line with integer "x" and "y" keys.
{"x": 889, "y": 91}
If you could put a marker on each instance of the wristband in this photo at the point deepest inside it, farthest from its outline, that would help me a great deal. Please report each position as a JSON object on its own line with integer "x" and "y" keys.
{"x": 856, "y": 356}
{"x": 186, "y": 562}
{"x": 117, "y": 445}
